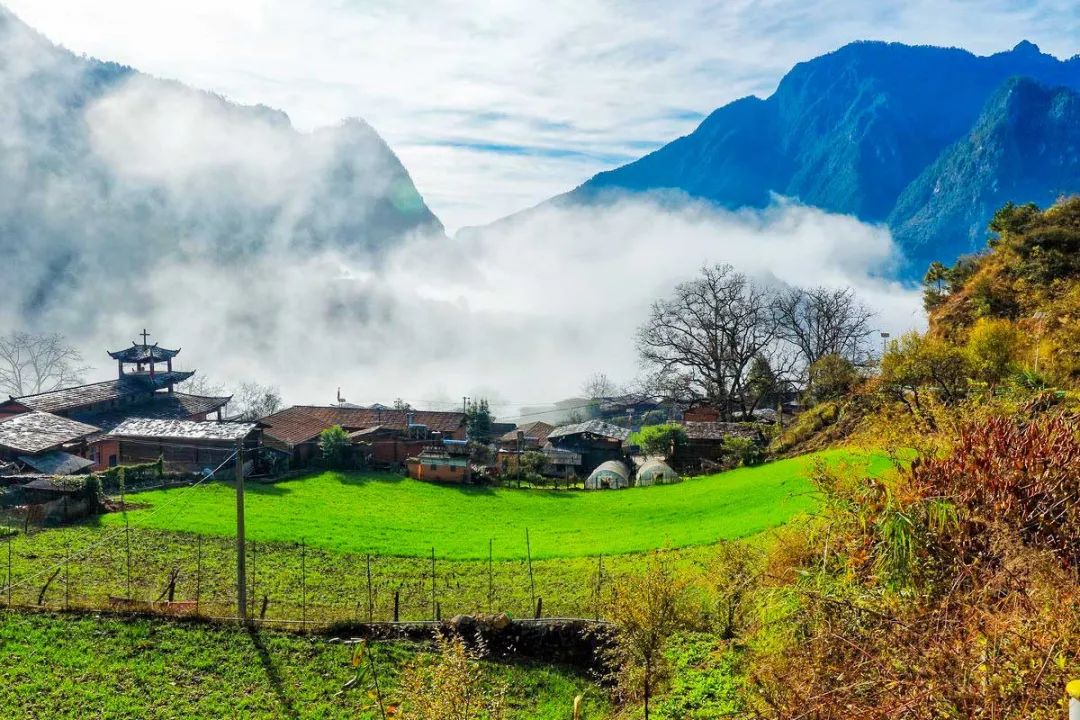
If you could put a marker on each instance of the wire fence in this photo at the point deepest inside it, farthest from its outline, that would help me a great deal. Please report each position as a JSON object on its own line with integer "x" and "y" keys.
{"x": 120, "y": 568}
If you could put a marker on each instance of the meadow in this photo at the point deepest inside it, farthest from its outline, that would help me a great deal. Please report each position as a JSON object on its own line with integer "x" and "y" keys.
{"x": 388, "y": 514}
{"x": 67, "y": 666}
{"x": 340, "y": 518}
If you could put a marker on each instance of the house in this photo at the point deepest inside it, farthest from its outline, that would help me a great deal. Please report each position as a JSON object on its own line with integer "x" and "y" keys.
{"x": 45, "y": 443}
{"x": 558, "y": 462}
{"x": 387, "y": 436}
{"x": 140, "y": 390}
{"x": 705, "y": 441}
{"x": 612, "y": 474}
{"x": 531, "y": 436}
{"x": 595, "y": 440}
{"x": 439, "y": 465}
{"x": 183, "y": 445}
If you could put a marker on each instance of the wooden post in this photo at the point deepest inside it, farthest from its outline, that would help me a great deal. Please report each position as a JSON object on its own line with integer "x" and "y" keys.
{"x": 532, "y": 582}
{"x": 397, "y": 603}
{"x": 577, "y": 707}
{"x": 491, "y": 578}
{"x": 303, "y": 583}
{"x": 253, "y": 573}
{"x": 539, "y": 607}
{"x": 198, "y": 571}
{"x": 241, "y": 551}
{"x": 370, "y": 604}
{"x": 127, "y": 545}
{"x": 599, "y": 581}
{"x": 67, "y": 561}
{"x": 434, "y": 612}
{"x": 9, "y": 571}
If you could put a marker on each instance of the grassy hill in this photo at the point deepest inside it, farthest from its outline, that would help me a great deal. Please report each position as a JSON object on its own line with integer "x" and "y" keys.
{"x": 390, "y": 515}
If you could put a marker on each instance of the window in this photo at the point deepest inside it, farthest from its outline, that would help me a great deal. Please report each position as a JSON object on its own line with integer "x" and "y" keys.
{"x": 433, "y": 467}
{"x": 112, "y": 461}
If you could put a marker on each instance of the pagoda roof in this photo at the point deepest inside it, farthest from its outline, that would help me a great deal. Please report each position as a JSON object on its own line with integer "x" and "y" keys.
{"x": 144, "y": 354}
{"x": 94, "y": 393}
{"x": 160, "y": 406}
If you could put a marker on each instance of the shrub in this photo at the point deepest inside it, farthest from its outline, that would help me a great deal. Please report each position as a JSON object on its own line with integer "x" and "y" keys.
{"x": 661, "y": 440}
{"x": 832, "y": 377}
{"x": 451, "y": 685}
{"x": 334, "y": 444}
{"x": 743, "y": 450}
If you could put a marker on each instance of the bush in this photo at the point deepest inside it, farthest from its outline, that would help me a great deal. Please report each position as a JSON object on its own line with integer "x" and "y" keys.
{"x": 743, "y": 450}
{"x": 335, "y": 446}
{"x": 831, "y": 378}
{"x": 661, "y": 440}
{"x": 132, "y": 474}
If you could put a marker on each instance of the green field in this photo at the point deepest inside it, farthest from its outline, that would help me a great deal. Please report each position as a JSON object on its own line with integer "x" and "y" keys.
{"x": 57, "y": 666}
{"x": 389, "y": 515}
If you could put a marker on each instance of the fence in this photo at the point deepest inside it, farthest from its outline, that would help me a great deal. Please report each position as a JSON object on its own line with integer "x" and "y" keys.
{"x": 83, "y": 567}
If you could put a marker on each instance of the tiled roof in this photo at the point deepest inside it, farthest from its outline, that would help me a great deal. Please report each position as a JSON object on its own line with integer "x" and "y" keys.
{"x": 34, "y": 432}
{"x": 301, "y": 423}
{"x": 717, "y": 430}
{"x": 536, "y": 430}
{"x": 592, "y": 427}
{"x": 161, "y": 406}
{"x": 94, "y": 393}
{"x": 144, "y": 354}
{"x": 183, "y": 429}
{"x": 56, "y": 462}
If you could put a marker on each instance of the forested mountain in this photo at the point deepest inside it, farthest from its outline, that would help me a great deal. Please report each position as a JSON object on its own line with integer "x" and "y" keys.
{"x": 927, "y": 139}
{"x": 106, "y": 169}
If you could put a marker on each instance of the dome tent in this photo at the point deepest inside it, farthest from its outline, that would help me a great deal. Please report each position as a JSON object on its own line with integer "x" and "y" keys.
{"x": 611, "y": 474}
{"x": 654, "y": 472}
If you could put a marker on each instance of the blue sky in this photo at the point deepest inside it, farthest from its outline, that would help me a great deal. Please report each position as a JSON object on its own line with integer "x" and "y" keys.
{"x": 495, "y": 105}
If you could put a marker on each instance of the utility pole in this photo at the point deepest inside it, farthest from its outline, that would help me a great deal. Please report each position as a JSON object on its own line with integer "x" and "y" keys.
{"x": 241, "y": 571}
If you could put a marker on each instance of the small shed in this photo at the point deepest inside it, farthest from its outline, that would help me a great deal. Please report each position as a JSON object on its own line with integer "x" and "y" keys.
{"x": 656, "y": 472}
{"x": 612, "y": 474}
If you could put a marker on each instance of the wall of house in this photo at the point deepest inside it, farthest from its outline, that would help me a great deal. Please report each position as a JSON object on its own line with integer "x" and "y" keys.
{"x": 438, "y": 471}
{"x": 190, "y": 456}
{"x": 395, "y": 451}
{"x": 102, "y": 451}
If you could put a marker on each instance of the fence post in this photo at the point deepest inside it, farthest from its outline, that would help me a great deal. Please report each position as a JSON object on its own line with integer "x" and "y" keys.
{"x": 303, "y": 584}
{"x": 599, "y": 580}
{"x": 370, "y": 605}
{"x": 397, "y": 603}
{"x": 251, "y": 613}
{"x": 198, "y": 571}
{"x": 67, "y": 562}
{"x": 532, "y": 582}
{"x": 491, "y": 578}
{"x": 1073, "y": 691}
{"x": 434, "y": 612}
{"x": 9, "y": 571}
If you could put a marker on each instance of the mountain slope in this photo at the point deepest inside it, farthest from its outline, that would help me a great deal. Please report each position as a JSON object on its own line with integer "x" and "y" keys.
{"x": 107, "y": 171}
{"x": 1025, "y": 146}
{"x": 846, "y": 132}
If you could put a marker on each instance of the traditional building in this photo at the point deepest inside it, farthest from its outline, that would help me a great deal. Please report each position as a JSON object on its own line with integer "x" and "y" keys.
{"x": 142, "y": 389}
{"x": 526, "y": 437}
{"x": 182, "y": 445}
{"x": 40, "y": 442}
{"x": 386, "y": 436}
{"x": 594, "y": 440}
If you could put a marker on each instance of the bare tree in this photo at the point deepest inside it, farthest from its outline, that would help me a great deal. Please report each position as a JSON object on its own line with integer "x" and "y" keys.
{"x": 700, "y": 344}
{"x": 203, "y": 385}
{"x": 597, "y": 386}
{"x": 824, "y": 321}
{"x": 35, "y": 363}
{"x": 253, "y": 401}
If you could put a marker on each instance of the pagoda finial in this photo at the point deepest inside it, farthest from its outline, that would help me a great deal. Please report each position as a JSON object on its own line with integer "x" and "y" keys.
{"x": 145, "y": 335}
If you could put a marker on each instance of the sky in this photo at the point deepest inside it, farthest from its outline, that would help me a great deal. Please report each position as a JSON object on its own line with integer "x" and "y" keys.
{"x": 494, "y": 106}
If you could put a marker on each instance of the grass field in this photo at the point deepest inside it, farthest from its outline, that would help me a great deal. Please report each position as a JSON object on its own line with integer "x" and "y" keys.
{"x": 61, "y": 666}
{"x": 390, "y": 515}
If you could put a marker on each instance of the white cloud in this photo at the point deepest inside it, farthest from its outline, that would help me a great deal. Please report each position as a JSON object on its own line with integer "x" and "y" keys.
{"x": 521, "y": 313}
{"x": 600, "y": 78}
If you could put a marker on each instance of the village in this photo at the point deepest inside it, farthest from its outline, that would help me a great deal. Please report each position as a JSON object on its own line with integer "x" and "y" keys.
{"x": 141, "y": 421}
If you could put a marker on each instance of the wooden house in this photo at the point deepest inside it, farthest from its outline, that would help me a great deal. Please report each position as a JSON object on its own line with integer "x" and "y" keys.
{"x": 183, "y": 445}
{"x": 594, "y": 440}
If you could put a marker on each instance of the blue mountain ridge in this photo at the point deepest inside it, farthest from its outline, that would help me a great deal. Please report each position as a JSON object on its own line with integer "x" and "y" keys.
{"x": 888, "y": 133}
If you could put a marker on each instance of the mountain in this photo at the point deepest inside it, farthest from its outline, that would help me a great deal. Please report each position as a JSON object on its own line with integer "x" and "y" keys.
{"x": 106, "y": 172}
{"x": 864, "y": 129}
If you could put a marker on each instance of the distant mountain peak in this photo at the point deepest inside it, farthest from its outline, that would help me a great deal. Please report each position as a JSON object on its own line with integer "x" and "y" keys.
{"x": 852, "y": 130}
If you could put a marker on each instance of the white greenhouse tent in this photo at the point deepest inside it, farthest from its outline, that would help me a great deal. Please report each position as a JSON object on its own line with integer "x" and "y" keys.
{"x": 611, "y": 474}
{"x": 656, "y": 472}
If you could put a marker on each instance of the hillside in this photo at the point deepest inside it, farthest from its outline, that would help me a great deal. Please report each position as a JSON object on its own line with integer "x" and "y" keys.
{"x": 104, "y": 169}
{"x": 873, "y": 130}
